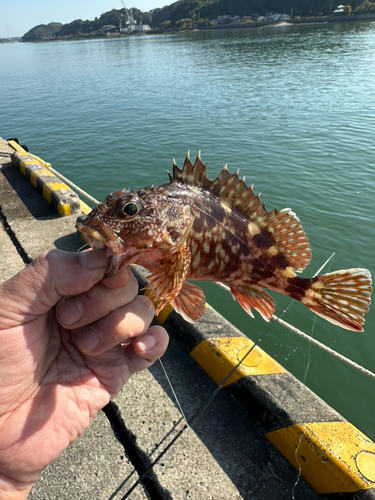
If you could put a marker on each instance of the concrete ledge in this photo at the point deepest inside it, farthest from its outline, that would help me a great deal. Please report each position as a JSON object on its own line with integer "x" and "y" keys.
{"x": 333, "y": 456}
{"x": 57, "y": 193}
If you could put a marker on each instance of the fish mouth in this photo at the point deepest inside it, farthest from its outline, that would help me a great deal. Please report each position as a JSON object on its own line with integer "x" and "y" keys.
{"x": 97, "y": 235}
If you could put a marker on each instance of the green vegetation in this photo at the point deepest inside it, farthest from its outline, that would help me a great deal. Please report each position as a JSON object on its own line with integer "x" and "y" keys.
{"x": 42, "y": 32}
{"x": 208, "y": 10}
{"x": 79, "y": 28}
{"x": 185, "y": 14}
{"x": 366, "y": 7}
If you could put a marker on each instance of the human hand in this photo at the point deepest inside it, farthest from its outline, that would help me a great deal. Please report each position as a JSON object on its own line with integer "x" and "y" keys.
{"x": 61, "y": 326}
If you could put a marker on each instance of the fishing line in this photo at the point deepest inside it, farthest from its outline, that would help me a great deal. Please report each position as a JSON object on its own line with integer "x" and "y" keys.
{"x": 209, "y": 400}
{"x": 83, "y": 248}
{"x": 173, "y": 391}
{"x": 202, "y": 408}
{"x": 299, "y": 466}
{"x": 303, "y": 433}
{"x": 304, "y": 381}
{"x": 314, "y": 320}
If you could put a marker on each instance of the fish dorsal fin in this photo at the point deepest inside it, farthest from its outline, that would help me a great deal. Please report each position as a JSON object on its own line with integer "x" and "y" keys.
{"x": 289, "y": 237}
{"x": 227, "y": 187}
{"x": 282, "y": 228}
{"x": 192, "y": 175}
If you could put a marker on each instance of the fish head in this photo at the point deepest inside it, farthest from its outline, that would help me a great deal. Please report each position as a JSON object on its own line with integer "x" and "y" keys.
{"x": 146, "y": 225}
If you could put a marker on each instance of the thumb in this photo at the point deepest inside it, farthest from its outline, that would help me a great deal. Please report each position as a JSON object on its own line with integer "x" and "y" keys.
{"x": 53, "y": 274}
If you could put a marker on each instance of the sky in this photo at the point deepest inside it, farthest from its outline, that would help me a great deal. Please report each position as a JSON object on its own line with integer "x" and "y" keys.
{"x": 17, "y": 17}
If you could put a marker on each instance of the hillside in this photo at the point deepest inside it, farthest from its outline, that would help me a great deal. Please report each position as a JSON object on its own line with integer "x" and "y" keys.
{"x": 184, "y": 13}
{"x": 42, "y": 32}
{"x": 210, "y": 9}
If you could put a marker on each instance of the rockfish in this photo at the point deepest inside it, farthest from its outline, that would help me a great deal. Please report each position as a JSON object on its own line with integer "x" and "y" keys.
{"x": 194, "y": 228}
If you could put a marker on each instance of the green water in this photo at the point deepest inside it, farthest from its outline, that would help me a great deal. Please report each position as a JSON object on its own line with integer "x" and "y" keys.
{"x": 292, "y": 107}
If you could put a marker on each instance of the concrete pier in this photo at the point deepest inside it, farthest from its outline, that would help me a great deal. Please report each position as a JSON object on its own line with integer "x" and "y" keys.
{"x": 224, "y": 456}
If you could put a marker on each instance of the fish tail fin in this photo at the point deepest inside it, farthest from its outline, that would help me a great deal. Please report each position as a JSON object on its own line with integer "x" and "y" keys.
{"x": 341, "y": 297}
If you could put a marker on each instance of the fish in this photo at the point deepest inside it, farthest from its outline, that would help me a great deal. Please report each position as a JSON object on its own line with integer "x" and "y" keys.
{"x": 194, "y": 228}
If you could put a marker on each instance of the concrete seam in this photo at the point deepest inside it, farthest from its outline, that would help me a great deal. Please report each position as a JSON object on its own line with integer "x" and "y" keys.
{"x": 137, "y": 457}
{"x": 21, "y": 251}
{"x": 269, "y": 393}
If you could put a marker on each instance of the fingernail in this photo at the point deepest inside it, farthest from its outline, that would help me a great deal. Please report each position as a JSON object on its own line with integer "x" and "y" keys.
{"x": 94, "y": 259}
{"x": 70, "y": 311}
{"x": 89, "y": 339}
{"x": 147, "y": 342}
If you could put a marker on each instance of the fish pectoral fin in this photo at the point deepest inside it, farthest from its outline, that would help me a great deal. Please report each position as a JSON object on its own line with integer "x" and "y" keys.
{"x": 249, "y": 296}
{"x": 190, "y": 302}
{"x": 166, "y": 282}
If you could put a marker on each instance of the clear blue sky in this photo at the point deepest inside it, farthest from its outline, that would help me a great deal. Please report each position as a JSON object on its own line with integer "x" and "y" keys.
{"x": 17, "y": 17}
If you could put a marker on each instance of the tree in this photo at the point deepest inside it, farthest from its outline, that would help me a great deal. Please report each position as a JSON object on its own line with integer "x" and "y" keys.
{"x": 184, "y": 23}
{"x": 166, "y": 25}
{"x": 365, "y": 7}
{"x": 42, "y": 32}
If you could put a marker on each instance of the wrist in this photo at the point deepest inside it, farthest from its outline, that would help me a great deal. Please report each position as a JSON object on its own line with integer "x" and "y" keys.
{"x": 13, "y": 490}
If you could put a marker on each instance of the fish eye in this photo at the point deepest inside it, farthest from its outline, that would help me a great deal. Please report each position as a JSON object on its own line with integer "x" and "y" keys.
{"x": 128, "y": 210}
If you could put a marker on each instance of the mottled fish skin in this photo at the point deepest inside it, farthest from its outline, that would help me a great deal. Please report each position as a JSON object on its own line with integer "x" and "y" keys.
{"x": 195, "y": 228}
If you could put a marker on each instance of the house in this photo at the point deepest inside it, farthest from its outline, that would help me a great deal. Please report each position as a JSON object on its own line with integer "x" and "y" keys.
{"x": 140, "y": 28}
{"x": 228, "y": 19}
{"x": 339, "y": 10}
{"x": 276, "y": 17}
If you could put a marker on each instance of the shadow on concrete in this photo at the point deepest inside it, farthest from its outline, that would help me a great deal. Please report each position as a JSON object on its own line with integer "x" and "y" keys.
{"x": 34, "y": 203}
{"x": 236, "y": 442}
{"x": 71, "y": 242}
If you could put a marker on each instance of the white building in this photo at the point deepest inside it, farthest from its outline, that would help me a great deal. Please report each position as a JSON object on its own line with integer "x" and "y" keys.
{"x": 142, "y": 27}
{"x": 276, "y": 17}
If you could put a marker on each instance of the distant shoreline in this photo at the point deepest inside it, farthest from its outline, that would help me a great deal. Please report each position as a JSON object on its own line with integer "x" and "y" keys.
{"x": 289, "y": 22}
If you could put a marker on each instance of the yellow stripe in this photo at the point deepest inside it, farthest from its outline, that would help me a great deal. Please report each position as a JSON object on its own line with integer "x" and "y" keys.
{"x": 53, "y": 186}
{"x": 21, "y": 151}
{"x": 219, "y": 356}
{"x": 46, "y": 164}
{"x": 85, "y": 209}
{"x": 334, "y": 457}
{"x": 33, "y": 178}
{"x": 39, "y": 173}
{"x": 44, "y": 172}
{"x": 23, "y": 168}
{"x": 30, "y": 161}
{"x": 63, "y": 209}
{"x": 164, "y": 313}
{"x": 16, "y": 146}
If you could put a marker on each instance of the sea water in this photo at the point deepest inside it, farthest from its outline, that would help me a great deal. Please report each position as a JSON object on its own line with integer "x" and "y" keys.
{"x": 292, "y": 107}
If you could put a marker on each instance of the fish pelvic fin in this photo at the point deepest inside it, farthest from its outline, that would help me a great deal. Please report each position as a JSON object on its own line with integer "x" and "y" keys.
{"x": 341, "y": 297}
{"x": 249, "y": 296}
{"x": 190, "y": 302}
